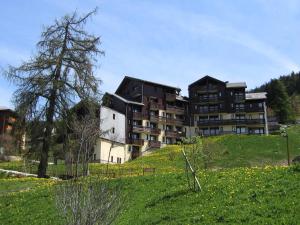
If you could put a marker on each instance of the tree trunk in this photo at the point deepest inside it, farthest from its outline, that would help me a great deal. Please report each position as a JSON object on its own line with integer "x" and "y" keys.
{"x": 42, "y": 169}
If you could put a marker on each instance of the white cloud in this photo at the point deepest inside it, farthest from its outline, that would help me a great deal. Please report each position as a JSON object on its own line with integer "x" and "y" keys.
{"x": 198, "y": 26}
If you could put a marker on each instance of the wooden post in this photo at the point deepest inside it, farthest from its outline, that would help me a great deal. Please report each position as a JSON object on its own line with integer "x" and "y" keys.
{"x": 287, "y": 149}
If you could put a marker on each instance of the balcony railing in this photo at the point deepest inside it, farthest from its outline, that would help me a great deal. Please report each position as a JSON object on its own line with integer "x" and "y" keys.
{"x": 209, "y": 99}
{"x": 205, "y": 89}
{"x": 170, "y": 97}
{"x": 154, "y": 144}
{"x": 154, "y": 118}
{"x": 137, "y": 116}
{"x": 209, "y": 110}
{"x": 174, "y": 109}
{"x": 174, "y": 121}
{"x": 162, "y": 119}
{"x": 239, "y": 98}
{"x": 133, "y": 141}
{"x": 140, "y": 129}
{"x": 155, "y": 106}
{"x": 155, "y": 131}
{"x": 174, "y": 134}
{"x": 230, "y": 122}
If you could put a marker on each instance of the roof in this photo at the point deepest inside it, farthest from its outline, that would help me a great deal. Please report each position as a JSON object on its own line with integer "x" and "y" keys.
{"x": 236, "y": 85}
{"x": 206, "y": 77}
{"x": 125, "y": 100}
{"x": 144, "y": 81}
{"x": 3, "y": 108}
{"x": 181, "y": 98}
{"x": 256, "y": 96}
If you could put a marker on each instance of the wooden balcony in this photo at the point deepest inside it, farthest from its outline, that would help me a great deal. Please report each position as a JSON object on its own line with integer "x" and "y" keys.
{"x": 154, "y": 144}
{"x": 155, "y": 106}
{"x": 174, "y": 121}
{"x": 207, "y": 100}
{"x": 174, "y": 109}
{"x": 205, "y": 89}
{"x": 154, "y": 118}
{"x": 174, "y": 134}
{"x": 170, "y": 97}
{"x": 140, "y": 129}
{"x": 137, "y": 116}
{"x": 162, "y": 119}
{"x": 138, "y": 142}
{"x": 239, "y": 98}
{"x": 155, "y": 131}
{"x": 230, "y": 122}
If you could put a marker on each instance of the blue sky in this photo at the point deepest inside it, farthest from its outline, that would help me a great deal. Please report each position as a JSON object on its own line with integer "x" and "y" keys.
{"x": 173, "y": 42}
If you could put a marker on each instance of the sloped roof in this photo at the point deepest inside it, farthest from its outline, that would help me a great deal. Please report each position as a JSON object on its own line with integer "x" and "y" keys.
{"x": 3, "y": 108}
{"x": 236, "y": 85}
{"x": 256, "y": 96}
{"x": 181, "y": 98}
{"x": 128, "y": 78}
{"x": 125, "y": 100}
{"x": 204, "y": 78}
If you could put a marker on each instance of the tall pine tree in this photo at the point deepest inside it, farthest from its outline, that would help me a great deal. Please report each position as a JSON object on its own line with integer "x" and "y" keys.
{"x": 278, "y": 100}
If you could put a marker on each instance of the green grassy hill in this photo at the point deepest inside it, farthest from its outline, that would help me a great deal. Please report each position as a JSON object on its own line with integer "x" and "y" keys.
{"x": 236, "y": 194}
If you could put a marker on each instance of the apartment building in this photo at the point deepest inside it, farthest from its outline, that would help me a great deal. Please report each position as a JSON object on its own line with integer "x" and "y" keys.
{"x": 153, "y": 115}
{"x": 218, "y": 107}
{"x": 142, "y": 115}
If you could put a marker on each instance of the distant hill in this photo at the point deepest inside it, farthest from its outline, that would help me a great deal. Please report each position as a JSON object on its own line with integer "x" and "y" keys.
{"x": 291, "y": 83}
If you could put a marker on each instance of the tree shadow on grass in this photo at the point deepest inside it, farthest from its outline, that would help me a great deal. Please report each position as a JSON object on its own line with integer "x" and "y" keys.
{"x": 167, "y": 197}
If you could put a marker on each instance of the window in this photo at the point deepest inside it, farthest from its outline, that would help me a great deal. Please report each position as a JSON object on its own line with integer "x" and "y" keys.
{"x": 112, "y": 159}
{"x": 261, "y": 116}
{"x": 233, "y": 129}
{"x": 119, "y": 160}
{"x": 240, "y": 130}
{"x": 114, "y": 116}
{"x": 250, "y": 105}
{"x": 260, "y": 105}
{"x": 113, "y": 130}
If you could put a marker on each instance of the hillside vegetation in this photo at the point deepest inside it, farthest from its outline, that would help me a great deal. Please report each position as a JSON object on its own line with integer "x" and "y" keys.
{"x": 235, "y": 193}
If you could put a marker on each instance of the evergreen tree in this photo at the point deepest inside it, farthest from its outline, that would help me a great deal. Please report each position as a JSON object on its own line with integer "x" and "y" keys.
{"x": 278, "y": 100}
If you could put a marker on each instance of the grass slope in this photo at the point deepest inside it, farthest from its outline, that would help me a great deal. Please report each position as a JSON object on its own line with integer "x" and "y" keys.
{"x": 241, "y": 195}
{"x": 234, "y": 196}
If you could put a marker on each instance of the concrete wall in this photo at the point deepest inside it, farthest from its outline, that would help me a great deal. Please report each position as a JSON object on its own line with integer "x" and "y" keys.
{"x": 109, "y": 121}
{"x": 119, "y": 150}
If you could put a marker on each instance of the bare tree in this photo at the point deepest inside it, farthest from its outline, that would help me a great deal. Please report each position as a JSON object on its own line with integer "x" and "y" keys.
{"x": 88, "y": 202}
{"x": 59, "y": 74}
{"x": 113, "y": 142}
{"x": 86, "y": 131}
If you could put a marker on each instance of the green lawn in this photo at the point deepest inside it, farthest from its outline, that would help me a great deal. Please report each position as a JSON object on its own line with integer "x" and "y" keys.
{"x": 232, "y": 196}
{"x": 230, "y": 151}
{"x": 236, "y": 194}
